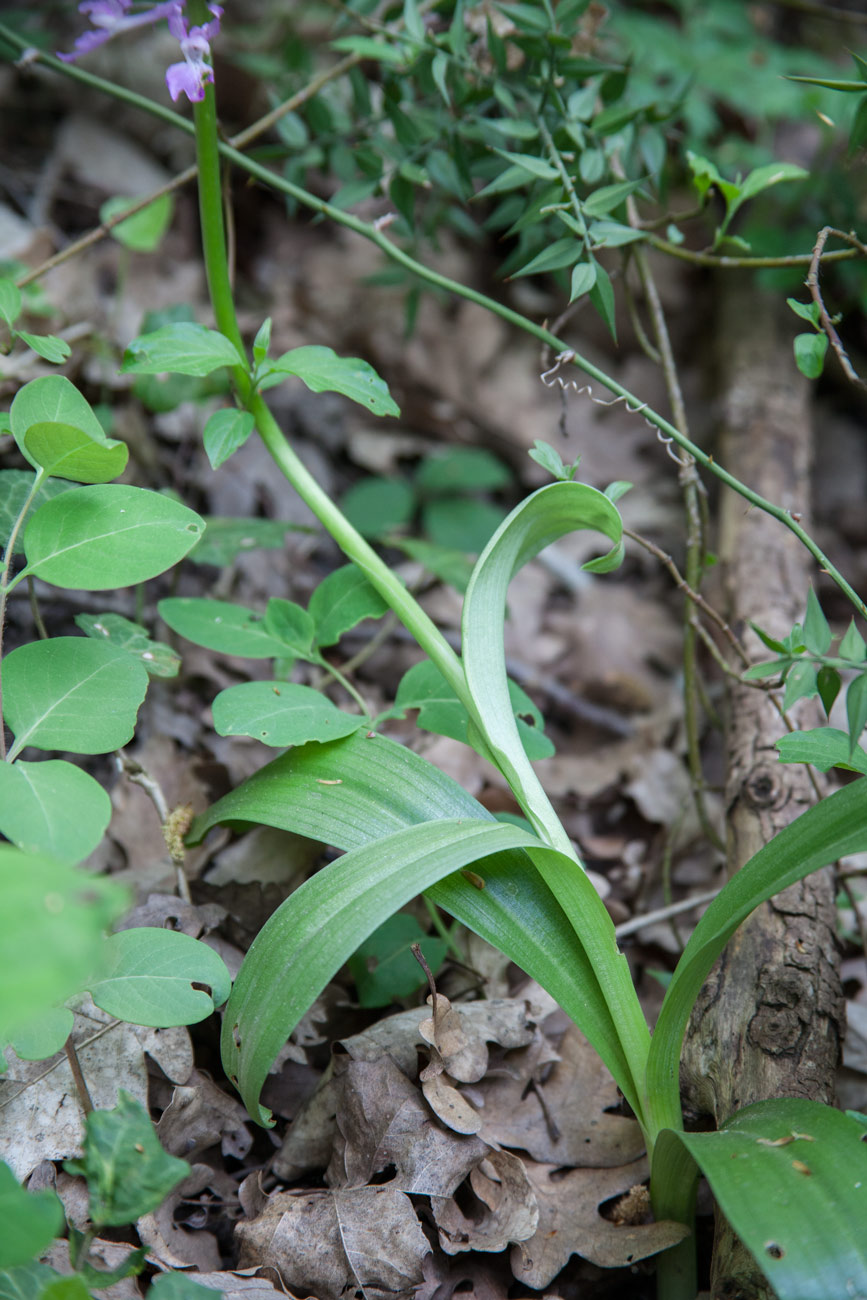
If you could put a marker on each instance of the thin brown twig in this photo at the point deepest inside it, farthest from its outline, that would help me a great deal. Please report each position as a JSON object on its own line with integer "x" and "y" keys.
{"x": 84, "y": 1098}
{"x": 816, "y": 294}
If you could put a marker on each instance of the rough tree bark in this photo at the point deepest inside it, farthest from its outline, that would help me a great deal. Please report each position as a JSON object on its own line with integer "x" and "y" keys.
{"x": 769, "y": 1019}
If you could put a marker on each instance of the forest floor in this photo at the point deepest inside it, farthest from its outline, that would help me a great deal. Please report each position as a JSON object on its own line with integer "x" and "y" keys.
{"x": 298, "y": 1206}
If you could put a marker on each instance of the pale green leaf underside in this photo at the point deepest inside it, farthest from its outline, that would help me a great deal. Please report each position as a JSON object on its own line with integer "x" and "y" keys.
{"x": 148, "y": 975}
{"x": 220, "y": 625}
{"x": 67, "y": 452}
{"x": 52, "y": 807}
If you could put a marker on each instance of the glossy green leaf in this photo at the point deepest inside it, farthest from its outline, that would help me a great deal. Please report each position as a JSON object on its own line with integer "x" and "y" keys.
{"x": 852, "y": 646}
{"x": 810, "y": 350}
{"x": 225, "y": 432}
{"x": 47, "y": 346}
{"x": 808, "y": 311}
{"x": 341, "y": 601}
{"x": 52, "y": 807}
{"x": 10, "y": 301}
{"x": 159, "y": 659}
{"x": 52, "y": 927}
{"x": 817, "y": 634}
{"x": 148, "y": 976}
{"x": 220, "y": 625}
{"x": 128, "y": 1173}
{"x": 281, "y": 714}
{"x": 828, "y": 683}
{"x": 144, "y": 230}
{"x": 42, "y": 1035}
{"x": 52, "y": 400}
{"x": 31, "y": 1220}
{"x": 385, "y": 968}
{"x": 356, "y": 791}
{"x": 225, "y": 539}
{"x": 541, "y": 519}
{"x": 824, "y": 747}
{"x": 833, "y": 828}
{"x": 65, "y": 451}
{"x": 109, "y": 535}
{"x": 323, "y": 371}
{"x": 15, "y": 485}
{"x": 182, "y": 348}
{"x": 856, "y": 709}
{"x": 791, "y": 1177}
{"x": 583, "y": 279}
{"x": 71, "y": 693}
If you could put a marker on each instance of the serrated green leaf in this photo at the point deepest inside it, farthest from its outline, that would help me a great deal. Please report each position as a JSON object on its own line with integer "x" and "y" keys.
{"x": 824, "y": 747}
{"x": 385, "y": 968}
{"x": 808, "y": 1160}
{"x": 52, "y": 927}
{"x": 281, "y": 714}
{"x": 182, "y": 348}
{"x": 856, "y": 709}
{"x": 323, "y": 371}
{"x": 71, "y": 693}
{"x": 852, "y": 646}
{"x": 109, "y": 535}
{"x": 10, "y": 301}
{"x": 810, "y": 350}
{"x": 583, "y": 280}
{"x": 31, "y": 1220}
{"x": 144, "y": 230}
{"x": 220, "y": 625}
{"x": 159, "y": 659}
{"x": 225, "y": 432}
{"x": 817, "y": 634}
{"x": 66, "y": 452}
{"x": 149, "y": 976}
{"x": 128, "y": 1173}
{"x": 52, "y": 807}
{"x": 225, "y": 539}
{"x": 47, "y": 346}
{"x": 800, "y": 683}
{"x": 341, "y": 601}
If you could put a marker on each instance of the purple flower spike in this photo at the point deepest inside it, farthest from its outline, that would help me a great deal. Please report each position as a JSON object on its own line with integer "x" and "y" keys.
{"x": 110, "y": 17}
{"x": 190, "y": 77}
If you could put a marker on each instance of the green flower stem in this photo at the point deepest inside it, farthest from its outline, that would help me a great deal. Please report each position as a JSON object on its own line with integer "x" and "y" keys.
{"x": 375, "y": 233}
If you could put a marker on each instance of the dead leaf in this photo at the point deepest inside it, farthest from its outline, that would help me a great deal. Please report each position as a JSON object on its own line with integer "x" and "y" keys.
{"x": 199, "y": 1116}
{"x": 325, "y": 1243}
{"x": 383, "y": 1121}
{"x": 246, "y": 1283}
{"x": 310, "y": 1139}
{"x": 450, "y": 1105}
{"x": 507, "y": 1210}
{"x": 570, "y": 1223}
{"x": 103, "y": 1254}
{"x": 173, "y": 1245}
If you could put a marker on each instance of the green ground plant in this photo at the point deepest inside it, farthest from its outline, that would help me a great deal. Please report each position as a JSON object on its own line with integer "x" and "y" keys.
{"x": 557, "y": 148}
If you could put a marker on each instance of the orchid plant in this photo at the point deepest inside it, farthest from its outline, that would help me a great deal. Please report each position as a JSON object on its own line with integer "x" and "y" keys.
{"x": 406, "y": 828}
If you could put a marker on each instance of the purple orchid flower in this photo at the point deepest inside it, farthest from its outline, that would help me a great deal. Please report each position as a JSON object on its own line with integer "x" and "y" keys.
{"x": 111, "y": 17}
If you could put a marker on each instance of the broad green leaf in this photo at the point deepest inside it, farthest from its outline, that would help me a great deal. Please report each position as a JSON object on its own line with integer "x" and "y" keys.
{"x": 51, "y": 400}
{"x": 341, "y": 601}
{"x": 225, "y": 539}
{"x": 323, "y": 371}
{"x": 148, "y": 976}
{"x": 15, "y": 485}
{"x": 43, "y": 1035}
{"x": 183, "y": 348}
{"x": 790, "y": 1176}
{"x": 608, "y": 197}
{"x": 292, "y": 626}
{"x": 71, "y": 693}
{"x": 541, "y": 519}
{"x": 52, "y": 927}
{"x": 824, "y": 747}
{"x": 31, "y": 1220}
{"x": 159, "y": 659}
{"x": 369, "y": 48}
{"x": 385, "y": 968}
{"x": 128, "y": 1173}
{"x": 281, "y": 714}
{"x": 832, "y": 829}
{"x": 47, "y": 346}
{"x": 376, "y": 506}
{"x": 808, "y": 311}
{"x": 800, "y": 683}
{"x": 583, "y": 280}
{"x": 462, "y": 469}
{"x": 817, "y": 634}
{"x": 10, "y": 301}
{"x": 810, "y": 350}
{"x": 356, "y": 791}
{"x": 52, "y": 807}
{"x": 322, "y": 923}
{"x": 219, "y": 625}
{"x": 852, "y": 646}
{"x": 65, "y": 451}
{"x": 225, "y": 432}
{"x": 109, "y": 535}
{"x": 144, "y": 230}
{"x": 856, "y": 709}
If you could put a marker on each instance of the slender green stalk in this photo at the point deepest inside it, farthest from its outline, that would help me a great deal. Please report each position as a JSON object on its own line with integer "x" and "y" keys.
{"x": 6, "y": 586}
